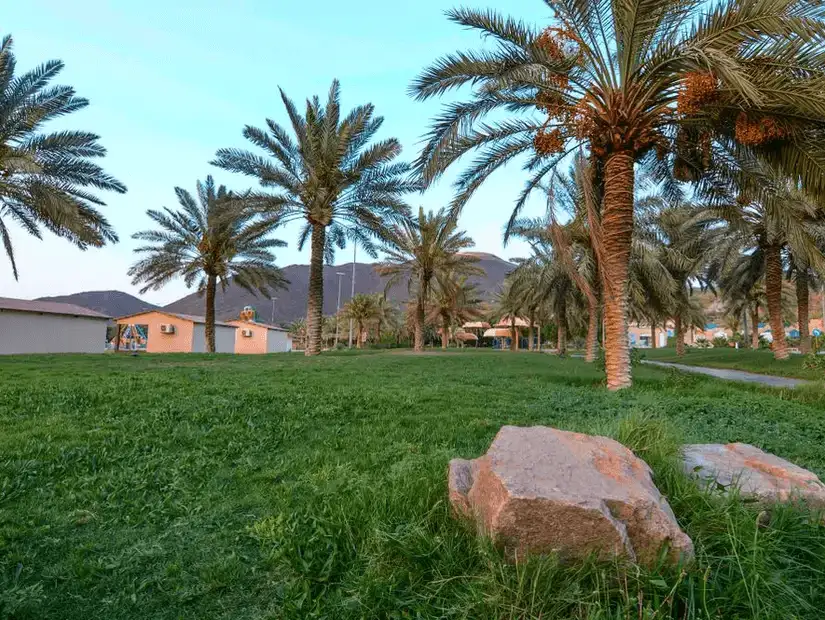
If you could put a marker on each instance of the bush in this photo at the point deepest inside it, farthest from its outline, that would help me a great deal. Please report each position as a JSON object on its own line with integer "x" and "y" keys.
{"x": 720, "y": 342}
{"x": 814, "y": 361}
{"x": 702, "y": 343}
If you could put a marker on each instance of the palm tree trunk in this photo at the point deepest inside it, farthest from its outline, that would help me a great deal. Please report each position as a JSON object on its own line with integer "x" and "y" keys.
{"x": 617, "y": 232}
{"x": 360, "y": 335}
{"x": 652, "y": 334}
{"x": 680, "y": 336}
{"x": 530, "y": 335}
{"x": 773, "y": 290}
{"x": 561, "y": 341}
{"x": 513, "y": 334}
{"x": 419, "y": 325}
{"x": 315, "y": 302}
{"x": 209, "y": 328}
{"x": 755, "y": 326}
{"x": 592, "y": 346}
{"x": 803, "y": 309}
{"x": 445, "y": 334}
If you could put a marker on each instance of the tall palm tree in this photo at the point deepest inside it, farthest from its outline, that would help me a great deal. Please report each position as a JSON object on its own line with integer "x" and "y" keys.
{"x": 455, "y": 301}
{"x": 47, "y": 179}
{"x": 362, "y": 309}
{"x": 328, "y": 172}
{"x": 653, "y": 81}
{"x": 418, "y": 249}
{"x": 211, "y": 240}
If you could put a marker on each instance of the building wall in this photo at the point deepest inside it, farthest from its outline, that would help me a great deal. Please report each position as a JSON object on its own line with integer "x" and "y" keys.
{"x": 224, "y": 339}
{"x": 156, "y": 342}
{"x": 29, "y": 332}
{"x": 278, "y": 342}
{"x": 257, "y": 343}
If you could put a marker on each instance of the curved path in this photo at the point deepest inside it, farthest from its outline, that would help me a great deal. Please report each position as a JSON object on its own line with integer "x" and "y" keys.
{"x": 733, "y": 375}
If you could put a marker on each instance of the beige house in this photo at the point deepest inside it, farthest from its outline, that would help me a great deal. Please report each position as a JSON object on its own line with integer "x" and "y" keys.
{"x": 50, "y": 327}
{"x": 255, "y": 337}
{"x": 169, "y": 332}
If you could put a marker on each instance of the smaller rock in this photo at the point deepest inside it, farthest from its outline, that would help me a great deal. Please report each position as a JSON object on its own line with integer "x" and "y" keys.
{"x": 757, "y": 474}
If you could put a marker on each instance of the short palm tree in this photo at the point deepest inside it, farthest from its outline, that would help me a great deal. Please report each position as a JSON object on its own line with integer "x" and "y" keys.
{"x": 759, "y": 217}
{"x": 47, "y": 179}
{"x": 327, "y": 172}
{"x": 211, "y": 240}
{"x": 298, "y": 331}
{"x": 417, "y": 250}
{"x": 658, "y": 82}
{"x": 362, "y": 309}
{"x": 455, "y": 301}
{"x": 509, "y": 304}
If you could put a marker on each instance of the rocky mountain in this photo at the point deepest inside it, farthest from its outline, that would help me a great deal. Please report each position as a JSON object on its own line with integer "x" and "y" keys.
{"x": 111, "y": 303}
{"x": 290, "y": 304}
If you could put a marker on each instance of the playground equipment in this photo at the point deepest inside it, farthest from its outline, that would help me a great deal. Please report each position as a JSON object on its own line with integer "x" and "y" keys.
{"x": 248, "y": 314}
{"x": 132, "y": 337}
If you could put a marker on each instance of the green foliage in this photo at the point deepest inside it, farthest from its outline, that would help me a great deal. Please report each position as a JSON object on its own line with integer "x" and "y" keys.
{"x": 814, "y": 361}
{"x": 702, "y": 343}
{"x": 47, "y": 180}
{"x": 280, "y": 486}
{"x": 218, "y": 235}
{"x": 719, "y": 342}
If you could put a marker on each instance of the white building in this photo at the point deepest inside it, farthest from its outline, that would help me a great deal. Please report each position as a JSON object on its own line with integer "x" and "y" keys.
{"x": 50, "y": 327}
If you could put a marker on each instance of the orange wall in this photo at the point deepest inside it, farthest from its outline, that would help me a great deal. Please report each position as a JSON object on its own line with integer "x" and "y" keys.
{"x": 179, "y": 342}
{"x": 255, "y": 344}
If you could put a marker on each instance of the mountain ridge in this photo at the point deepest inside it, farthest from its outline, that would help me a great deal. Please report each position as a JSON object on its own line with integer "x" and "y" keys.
{"x": 290, "y": 304}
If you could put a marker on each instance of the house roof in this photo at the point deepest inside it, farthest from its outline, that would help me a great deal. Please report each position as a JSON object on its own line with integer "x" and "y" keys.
{"x": 194, "y": 318}
{"x": 505, "y": 322}
{"x": 241, "y": 322}
{"x": 48, "y": 307}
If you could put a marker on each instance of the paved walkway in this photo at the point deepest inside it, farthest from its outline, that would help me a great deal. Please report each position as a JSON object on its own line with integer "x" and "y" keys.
{"x": 733, "y": 375}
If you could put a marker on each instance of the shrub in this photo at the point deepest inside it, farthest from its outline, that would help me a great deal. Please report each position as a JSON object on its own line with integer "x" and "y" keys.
{"x": 702, "y": 343}
{"x": 720, "y": 342}
{"x": 814, "y": 361}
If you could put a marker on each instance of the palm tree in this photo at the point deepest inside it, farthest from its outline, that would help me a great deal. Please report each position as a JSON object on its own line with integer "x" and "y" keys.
{"x": 761, "y": 217}
{"x": 509, "y": 305}
{"x": 417, "y": 250}
{"x": 298, "y": 331}
{"x": 569, "y": 246}
{"x": 216, "y": 238}
{"x": 682, "y": 247}
{"x": 330, "y": 175}
{"x": 46, "y": 180}
{"x": 454, "y": 302}
{"x": 658, "y": 82}
{"x": 362, "y": 309}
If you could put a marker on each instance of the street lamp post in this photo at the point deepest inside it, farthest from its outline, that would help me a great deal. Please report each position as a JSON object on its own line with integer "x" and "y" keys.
{"x": 272, "y": 318}
{"x": 340, "y": 274}
{"x": 352, "y": 293}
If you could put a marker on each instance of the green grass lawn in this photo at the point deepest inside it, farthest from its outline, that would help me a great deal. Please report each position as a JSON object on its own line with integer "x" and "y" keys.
{"x": 285, "y": 487}
{"x": 759, "y": 361}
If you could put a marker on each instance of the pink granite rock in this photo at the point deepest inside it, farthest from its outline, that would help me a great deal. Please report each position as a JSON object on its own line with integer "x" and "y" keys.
{"x": 541, "y": 490}
{"x": 757, "y": 474}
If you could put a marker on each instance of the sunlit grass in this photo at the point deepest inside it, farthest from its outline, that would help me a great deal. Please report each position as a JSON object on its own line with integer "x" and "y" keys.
{"x": 281, "y": 486}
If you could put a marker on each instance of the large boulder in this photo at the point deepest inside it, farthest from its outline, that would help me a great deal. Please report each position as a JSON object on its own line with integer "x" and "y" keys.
{"x": 758, "y": 475}
{"x": 541, "y": 490}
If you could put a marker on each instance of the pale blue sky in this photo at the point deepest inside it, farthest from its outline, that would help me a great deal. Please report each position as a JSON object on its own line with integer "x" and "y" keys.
{"x": 172, "y": 81}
